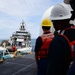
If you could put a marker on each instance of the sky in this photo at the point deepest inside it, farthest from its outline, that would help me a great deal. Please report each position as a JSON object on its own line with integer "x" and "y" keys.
{"x": 12, "y": 12}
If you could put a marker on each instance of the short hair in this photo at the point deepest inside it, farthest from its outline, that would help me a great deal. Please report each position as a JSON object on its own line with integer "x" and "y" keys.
{"x": 46, "y": 28}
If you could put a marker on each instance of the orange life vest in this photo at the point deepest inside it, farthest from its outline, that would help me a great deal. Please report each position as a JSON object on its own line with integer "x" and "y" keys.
{"x": 71, "y": 43}
{"x": 46, "y": 40}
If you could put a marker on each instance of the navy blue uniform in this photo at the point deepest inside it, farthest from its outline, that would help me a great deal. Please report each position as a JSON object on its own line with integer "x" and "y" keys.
{"x": 59, "y": 52}
{"x": 42, "y": 62}
{"x": 38, "y": 44}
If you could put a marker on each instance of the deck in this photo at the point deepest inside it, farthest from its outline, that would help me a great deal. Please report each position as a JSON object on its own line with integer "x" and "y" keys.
{"x": 23, "y": 65}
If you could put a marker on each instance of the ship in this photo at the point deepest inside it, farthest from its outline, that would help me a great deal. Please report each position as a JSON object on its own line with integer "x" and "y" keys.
{"x": 21, "y": 39}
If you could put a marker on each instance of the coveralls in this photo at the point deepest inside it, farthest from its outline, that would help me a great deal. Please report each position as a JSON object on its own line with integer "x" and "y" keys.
{"x": 42, "y": 62}
{"x": 59, "y": 54}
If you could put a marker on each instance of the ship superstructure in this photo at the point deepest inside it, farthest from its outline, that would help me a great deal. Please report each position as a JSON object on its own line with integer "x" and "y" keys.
{"x": 21, "y": 37}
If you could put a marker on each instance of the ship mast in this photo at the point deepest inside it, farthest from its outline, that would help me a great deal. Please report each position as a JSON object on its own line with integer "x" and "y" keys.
{"x": 22, "y": 27}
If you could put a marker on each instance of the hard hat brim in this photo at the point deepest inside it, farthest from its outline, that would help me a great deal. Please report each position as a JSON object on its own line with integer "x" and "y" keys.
{"x": 46, "y": 25}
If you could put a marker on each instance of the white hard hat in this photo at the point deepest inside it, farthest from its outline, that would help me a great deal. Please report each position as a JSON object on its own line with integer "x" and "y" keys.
{"x": 60, "y": 12}
{"x": 47, "y": 13}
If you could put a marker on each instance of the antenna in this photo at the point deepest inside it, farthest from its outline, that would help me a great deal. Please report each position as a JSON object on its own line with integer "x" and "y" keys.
{"x": 22, "y": 27}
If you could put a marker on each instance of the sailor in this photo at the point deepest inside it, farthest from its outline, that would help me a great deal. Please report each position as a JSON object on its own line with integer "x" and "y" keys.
{"x": 13, "y": 48}
{"x": 72, "y": 67}
{"x": 41, "y": 47}
{"x": 60, "y": 50}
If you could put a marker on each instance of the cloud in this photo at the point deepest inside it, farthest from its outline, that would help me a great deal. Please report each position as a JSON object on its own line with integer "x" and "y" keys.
{"x": 13, "y": 11}
{"x": 23, "y": 7}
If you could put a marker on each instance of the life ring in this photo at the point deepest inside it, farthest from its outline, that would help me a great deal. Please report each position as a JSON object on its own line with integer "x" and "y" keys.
{"x": 17, "y": 54}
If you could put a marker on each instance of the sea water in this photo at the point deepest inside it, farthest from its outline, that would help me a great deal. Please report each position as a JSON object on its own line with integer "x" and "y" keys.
{"x": 33, "y": 44}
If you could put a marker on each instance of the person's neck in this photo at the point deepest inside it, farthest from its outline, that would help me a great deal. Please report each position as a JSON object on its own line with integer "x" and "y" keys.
{"x": 47, "y": 31}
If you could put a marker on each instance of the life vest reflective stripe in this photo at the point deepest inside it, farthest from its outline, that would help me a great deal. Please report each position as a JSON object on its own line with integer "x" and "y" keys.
{"x": 46, "y": 40}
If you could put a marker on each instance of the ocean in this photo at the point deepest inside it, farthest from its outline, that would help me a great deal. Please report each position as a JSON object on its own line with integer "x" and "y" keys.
{"x": 32, "y": 42}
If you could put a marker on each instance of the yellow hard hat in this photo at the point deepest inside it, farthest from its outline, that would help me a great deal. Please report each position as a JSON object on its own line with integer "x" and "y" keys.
{"x": 46, "y": 23}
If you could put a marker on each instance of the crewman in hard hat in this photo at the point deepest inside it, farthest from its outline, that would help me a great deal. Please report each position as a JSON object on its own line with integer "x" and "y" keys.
{"x": 71, "y": 70}
{"x": 60, "y": 52}
{"x": 41, "y": 47}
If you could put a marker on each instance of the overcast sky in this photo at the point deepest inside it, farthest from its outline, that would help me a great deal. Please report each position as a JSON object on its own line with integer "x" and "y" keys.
{"x": 12, "y": 12}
